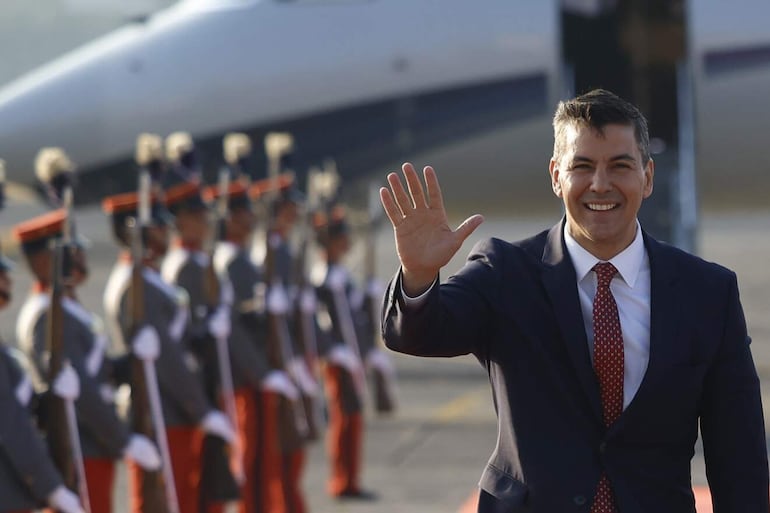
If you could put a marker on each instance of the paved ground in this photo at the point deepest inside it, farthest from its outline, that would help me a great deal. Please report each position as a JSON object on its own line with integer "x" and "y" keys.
{"x": 428, "y": 457}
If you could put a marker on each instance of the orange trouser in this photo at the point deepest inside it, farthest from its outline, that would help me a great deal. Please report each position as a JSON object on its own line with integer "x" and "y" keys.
{"x": 248, "y": 436}
{"x": 279, "y": 473}
{"x": 100, "y": 477}
{"x": 344, "y": 437}
{"x": 270, "y": 460}
{"x": 184, "y": 445}
{"x": 293, "y": 463}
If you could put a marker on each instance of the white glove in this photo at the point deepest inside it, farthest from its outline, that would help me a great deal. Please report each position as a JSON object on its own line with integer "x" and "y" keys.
{"x": 64, "y": 501}
{"x": 301, "y": 375}
{"x": 342, "y": 356}
{"x": 337, "y": 278}
{"x": 377, "y": 359}
{"x": 216, "y": 423}
{"x": 67, "y": 384}
{"x": 219, "y": 323}
{"x": 146, "y": 344}
{"x": 143, "y": 452}
{"x": 277, "y": 299}
{"x": 24, "y": 390}
{"x": 278, "y": 381}
{"x": 307, "y": 301}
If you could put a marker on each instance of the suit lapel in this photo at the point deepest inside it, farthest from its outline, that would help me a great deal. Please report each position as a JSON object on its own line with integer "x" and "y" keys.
{"x": 665, "y": 303}
{"x": 561, "y": 286}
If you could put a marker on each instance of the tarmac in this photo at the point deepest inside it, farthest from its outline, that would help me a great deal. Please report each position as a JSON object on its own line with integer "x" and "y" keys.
{"x": 428, "y": 456}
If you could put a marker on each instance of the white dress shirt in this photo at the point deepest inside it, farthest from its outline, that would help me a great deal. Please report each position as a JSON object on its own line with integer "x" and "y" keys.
{"x": 631, "y": 289}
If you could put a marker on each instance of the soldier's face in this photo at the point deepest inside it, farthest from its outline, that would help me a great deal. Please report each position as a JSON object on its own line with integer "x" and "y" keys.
{"x": 193, "y": 225}
{"x": 240, "y": 224}
{"x": 338, "y": 247}
{"x": 79, "y": 267}
{"x": 157, "y": 240}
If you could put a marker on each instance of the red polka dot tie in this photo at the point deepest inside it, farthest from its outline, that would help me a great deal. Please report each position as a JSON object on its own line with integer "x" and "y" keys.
{"x": 608, "y": 365}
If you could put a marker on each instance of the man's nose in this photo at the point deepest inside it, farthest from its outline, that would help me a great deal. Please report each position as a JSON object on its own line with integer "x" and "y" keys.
{"x": 601, "y": 181}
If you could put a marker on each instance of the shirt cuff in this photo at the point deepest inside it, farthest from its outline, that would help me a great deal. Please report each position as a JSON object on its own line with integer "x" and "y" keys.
{"x": 415, "y": 302}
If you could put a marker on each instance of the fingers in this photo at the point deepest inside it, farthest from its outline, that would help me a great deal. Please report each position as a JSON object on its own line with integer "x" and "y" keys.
{"x": 391, "y": 209}
{"x": 415, "y": 187}
{"x": 399, "y": 193}
{"x": 435, "y": 199}
{"x": 468, "y": 226}
{"x": 398, "y": 203}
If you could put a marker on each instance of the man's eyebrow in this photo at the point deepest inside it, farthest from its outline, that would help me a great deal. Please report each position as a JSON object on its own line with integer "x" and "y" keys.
{"x": 623, "y": 156}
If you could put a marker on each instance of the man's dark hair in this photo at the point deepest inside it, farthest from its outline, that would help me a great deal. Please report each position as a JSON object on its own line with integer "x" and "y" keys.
{"x": 597, "y": 109}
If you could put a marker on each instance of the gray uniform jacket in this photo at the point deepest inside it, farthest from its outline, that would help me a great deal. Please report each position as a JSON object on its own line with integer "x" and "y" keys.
{"x": 248, "y": 327}
{"x": 185, "y": 269}
{"x": 27, "y": 474}
{"x": 102, "y": 433}
{"x": 165, "y": 309}
{"x": 330, "y": 323}
{"x": 284, "y": 268}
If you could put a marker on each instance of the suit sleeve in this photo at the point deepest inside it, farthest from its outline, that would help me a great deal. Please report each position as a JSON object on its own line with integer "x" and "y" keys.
{"x": 455, "y": 318}
{"x": 732, "y": 422}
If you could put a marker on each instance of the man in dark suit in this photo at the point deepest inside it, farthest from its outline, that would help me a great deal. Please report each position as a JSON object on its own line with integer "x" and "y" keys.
{"x": 605, "y": 348}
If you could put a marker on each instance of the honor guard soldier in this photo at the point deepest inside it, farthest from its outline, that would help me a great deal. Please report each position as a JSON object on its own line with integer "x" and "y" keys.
{"x": 186, "y": 412}
{"x": 281, "y": 200}
{"x": 256, "y": 384}
{"x": 342, "y": 317}
{"x": 28, "y": 477}
{"x": 103, "y": 438}
{"x": 187, "y": 266}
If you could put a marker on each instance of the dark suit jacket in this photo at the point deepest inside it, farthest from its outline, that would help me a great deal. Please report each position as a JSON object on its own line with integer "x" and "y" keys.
{"x": 516, "y": 308}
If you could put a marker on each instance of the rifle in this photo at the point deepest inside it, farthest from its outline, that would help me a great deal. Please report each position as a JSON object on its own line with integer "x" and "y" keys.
{"x": 63, "y": 436}
{"x": 384, "y": 395}
{"x": 293, "y": 424}
{"x": 327, "y": 187}
{"x": 158, "y": 488}
{"x": 305, "y": 309}
{"x": 222, "y": 466}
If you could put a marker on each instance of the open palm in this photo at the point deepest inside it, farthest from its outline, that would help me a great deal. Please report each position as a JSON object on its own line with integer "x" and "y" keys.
{"x": 424, "y": 240}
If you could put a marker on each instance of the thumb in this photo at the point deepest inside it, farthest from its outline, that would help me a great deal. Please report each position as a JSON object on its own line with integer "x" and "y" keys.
{"x": 468, "y": 226}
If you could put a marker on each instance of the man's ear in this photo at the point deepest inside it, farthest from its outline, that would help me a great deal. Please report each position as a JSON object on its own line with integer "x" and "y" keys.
{"x": 553, "y": 170}
{"x": 649, "y": 173}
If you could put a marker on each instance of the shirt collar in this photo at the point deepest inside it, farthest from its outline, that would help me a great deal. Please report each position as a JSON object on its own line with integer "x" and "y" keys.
{"x": 628, "y": 262}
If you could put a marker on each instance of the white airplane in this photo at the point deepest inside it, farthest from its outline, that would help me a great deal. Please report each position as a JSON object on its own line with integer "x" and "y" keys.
{"x": 467, "y": 86}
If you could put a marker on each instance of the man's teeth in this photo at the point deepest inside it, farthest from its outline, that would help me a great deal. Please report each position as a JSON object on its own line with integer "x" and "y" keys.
{"x": 602, "y": 206}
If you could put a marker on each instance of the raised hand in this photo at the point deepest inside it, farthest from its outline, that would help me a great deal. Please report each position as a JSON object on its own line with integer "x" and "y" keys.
{"x": 424, "y": 240}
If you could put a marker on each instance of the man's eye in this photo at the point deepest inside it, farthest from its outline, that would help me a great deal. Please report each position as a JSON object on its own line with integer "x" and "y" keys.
{"x": 581, "y": 166}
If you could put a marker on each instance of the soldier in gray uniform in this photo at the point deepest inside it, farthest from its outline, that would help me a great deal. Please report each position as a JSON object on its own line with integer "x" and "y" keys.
{"x": 28, "y": 477}
{"x": 104, "y": 437}
{"x": 255, "y": 382}
{"x": 283, "y": 217}
{"x": 341, "y": 314}
{"x": 187, "y": 412}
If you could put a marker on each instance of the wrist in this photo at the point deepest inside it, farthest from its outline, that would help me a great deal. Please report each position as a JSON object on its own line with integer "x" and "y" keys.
{"x": 415, "y": 284}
